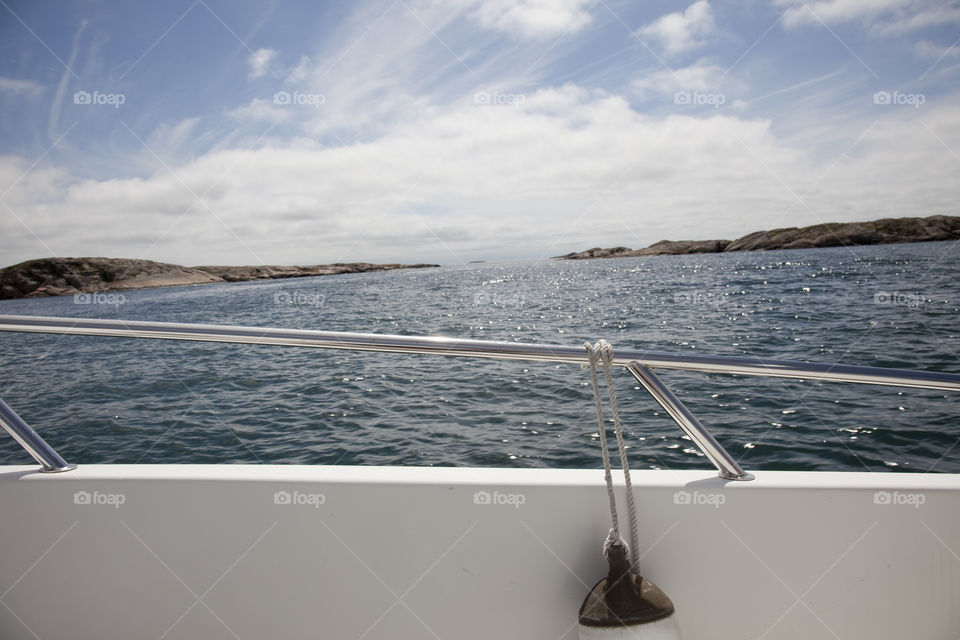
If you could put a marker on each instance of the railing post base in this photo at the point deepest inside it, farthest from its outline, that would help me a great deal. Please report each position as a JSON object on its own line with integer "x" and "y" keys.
{"x": 68, "y": 467}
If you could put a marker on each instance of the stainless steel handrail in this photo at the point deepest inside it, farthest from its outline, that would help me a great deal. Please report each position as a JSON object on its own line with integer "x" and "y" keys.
{"x": 36, "y": 446}
{"x": 481, "y": 349}
{"x": 639, "y": 362}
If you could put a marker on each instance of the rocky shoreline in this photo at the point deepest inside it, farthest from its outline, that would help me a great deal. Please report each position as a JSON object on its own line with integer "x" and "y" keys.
{"x": 67, "y": 276}
{"x": 834, "y": 234}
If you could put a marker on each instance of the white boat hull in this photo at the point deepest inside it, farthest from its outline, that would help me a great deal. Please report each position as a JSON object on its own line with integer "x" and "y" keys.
{"x": 188, "y": 551}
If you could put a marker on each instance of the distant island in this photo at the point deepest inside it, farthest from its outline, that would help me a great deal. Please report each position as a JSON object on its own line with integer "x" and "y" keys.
{"x": 833, "y": 234}
{"x": 67, "y": 276}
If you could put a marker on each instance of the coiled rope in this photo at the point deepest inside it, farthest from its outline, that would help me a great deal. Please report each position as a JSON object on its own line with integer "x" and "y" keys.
{"x": 603, "y": 352}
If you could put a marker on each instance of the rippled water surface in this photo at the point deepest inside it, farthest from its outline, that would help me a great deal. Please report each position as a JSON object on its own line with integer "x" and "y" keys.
{"x": 110, "y": 400}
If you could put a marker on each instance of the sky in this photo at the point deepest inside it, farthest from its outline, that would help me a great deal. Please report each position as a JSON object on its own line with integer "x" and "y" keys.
{"x": 302, "y": 132}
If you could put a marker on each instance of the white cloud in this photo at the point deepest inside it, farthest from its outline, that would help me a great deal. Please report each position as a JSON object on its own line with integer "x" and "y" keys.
{"x": 487, "y": 182}
{"x": 833, "y": 11}
{"x": 399, "y": 163}
{"x": 534, "y": 18}
{"x": 53, "y": 120}
{"x": 262, "y": 109}
{"x": 26, "y": 186}
{"x": 744, "y": 103}
{"x": 169, "y": 138}
{"x": 20, "y": 87}
{"x": 700, "y": 76}
{"x": 681, "y": 31}
{"x": 884, "y": 17}
{"x": 906, "y": 21}
{"x": 259, "y": 62}
{"x": 927, "y": 49}
{"x": 301, "y": 72}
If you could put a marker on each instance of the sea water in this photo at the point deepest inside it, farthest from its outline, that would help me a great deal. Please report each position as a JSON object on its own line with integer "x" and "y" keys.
{"x": 112, "y": 400}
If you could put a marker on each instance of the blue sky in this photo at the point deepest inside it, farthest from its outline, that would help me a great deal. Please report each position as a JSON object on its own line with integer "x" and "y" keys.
{"x": 215, "y": 132}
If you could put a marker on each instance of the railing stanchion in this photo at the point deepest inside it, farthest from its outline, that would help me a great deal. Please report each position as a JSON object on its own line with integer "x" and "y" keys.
{"x": 36, "y": 446}
{"x": 723, "y": 461}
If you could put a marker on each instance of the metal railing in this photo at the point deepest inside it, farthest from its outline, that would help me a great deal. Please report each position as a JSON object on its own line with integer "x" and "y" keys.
{"x": 49, "y": 460}
{"x": 640, "y": 363}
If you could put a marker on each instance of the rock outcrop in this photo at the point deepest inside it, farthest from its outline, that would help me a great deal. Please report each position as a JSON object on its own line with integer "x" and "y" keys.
{"x": 66, "y": 276}
{"x": 63, "y": 276}
{"x": 838, "y": 234}
{"x": 597, "y": 252}
{"x": 834, "y": 234}
{"x": 242, "y": 274}
{"x": 675, "y": 247}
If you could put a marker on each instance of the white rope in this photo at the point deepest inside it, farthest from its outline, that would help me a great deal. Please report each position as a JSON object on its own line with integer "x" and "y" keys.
{"x": 592, "y": 356}
{"x": 604, "y": 352}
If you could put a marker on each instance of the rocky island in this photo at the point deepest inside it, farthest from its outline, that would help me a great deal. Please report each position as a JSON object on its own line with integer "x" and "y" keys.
{"x": 833, "y": 234}
{"x": 66, "y": 276}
